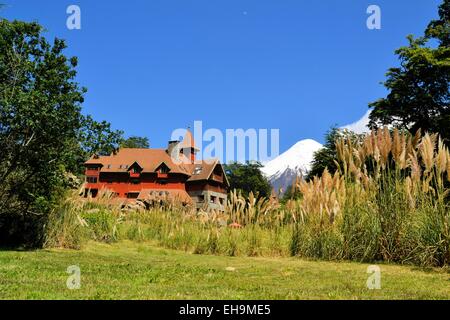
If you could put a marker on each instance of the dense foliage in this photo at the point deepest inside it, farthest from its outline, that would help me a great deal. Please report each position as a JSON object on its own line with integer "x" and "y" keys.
{"x": 43, "y": 134}
{"x": 326, "y": 157}
{"x": 135, "y": 142}
{"x": 247, "y": 177}
{"x": 419, "y": 95}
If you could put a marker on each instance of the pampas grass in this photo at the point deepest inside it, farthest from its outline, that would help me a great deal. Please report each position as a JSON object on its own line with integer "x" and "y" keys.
{"x": 388, "y": 200}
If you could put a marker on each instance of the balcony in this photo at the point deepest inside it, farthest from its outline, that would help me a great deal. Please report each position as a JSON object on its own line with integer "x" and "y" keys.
{"x": 135, "y": 175}
{"x": 160, "y": 175}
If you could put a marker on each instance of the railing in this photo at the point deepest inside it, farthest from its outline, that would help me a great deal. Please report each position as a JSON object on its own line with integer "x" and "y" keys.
{"x": 90, "y": 172}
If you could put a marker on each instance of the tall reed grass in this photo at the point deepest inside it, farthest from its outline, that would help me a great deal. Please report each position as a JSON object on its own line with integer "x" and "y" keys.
{"x": 388, "y": 201}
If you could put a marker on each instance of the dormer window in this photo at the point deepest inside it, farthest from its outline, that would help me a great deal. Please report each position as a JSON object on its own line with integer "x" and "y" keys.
{"x": 198, "y": 170}
{"x": 164, "y": 170}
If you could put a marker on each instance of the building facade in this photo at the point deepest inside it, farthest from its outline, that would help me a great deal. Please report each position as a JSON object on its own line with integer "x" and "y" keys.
{"x": 171, "y": 174}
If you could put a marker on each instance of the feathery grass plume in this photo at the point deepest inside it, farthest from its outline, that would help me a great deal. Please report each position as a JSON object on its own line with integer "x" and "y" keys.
{"x": 448, "y": 165}
{"x": 416, "y": 170}
{"x": 399, "y": 149}
{"x": 441, "y": 158}
{"x": 384, "y": 145}
{"x": 427, "y": 152}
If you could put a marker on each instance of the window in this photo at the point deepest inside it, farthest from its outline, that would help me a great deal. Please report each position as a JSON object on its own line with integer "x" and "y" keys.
{"x": 201, "y": 198}
{"x": 198, "y": 170}
{"x": 136, "y": 170}
{"x": 109, "y": 166}
{"x": 213, "y": 199}
{"x": 222, "y": 201}
{"x": 132, "y": 195}
{"x": 91, "y": 179}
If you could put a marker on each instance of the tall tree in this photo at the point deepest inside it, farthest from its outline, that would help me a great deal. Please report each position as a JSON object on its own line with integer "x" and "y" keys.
{"x": 248, "y": 177}
{"x": 98, "y": 137}
{"x": 40, "y": 106}
{"x": 92, "y": 138}
{"x": 419, "y": 95}
{"x": 42, "y": 131}
{"x": 135, "y": 142}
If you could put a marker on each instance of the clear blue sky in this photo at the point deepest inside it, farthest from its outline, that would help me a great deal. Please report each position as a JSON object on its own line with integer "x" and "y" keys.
{"x": 301, "y": 66}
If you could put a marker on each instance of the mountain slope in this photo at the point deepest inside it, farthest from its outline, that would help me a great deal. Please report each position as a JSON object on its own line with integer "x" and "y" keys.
{"x": 283, "y": 170}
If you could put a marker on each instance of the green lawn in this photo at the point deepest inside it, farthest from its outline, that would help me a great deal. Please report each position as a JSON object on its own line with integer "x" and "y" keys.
{"x": 128, "y": 270}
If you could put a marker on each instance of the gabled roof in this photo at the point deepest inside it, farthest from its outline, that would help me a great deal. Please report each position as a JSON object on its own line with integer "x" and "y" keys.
{"x": 148, "y": 159}
{"x": 134, "y": 163}
{"x": 206, "y": 170}
{"x": 151, "y": 159}
{"x": 95, "y": 160}
{"x": 162, "y": 164}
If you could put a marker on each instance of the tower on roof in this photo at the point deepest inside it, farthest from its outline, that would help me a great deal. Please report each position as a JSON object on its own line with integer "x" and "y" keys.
{"x": 188, "y": 146}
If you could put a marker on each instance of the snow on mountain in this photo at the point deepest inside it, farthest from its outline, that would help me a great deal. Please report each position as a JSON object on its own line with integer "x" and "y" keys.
{"x": 283, "y": 170}
{"x": 360, "y": 126}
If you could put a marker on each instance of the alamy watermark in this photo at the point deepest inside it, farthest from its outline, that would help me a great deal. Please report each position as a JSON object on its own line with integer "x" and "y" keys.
{"x": 374, "y": 280}
{"x": 74, "y": 280}
{"x": 73, "y": 21}
{"x": 374, "y": 20}
{"x": 230, "y": 145}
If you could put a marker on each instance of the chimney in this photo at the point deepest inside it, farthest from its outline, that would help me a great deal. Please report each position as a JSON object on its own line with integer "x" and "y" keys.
{"x": 171, "y": 147}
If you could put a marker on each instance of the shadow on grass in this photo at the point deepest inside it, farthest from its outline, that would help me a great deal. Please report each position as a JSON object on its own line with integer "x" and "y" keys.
{"x": 431, "y": 269}
{"x": 19, "y": 248}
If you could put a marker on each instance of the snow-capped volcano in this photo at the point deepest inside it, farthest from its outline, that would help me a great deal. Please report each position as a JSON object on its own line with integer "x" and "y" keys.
{"x": 283, "y": 170}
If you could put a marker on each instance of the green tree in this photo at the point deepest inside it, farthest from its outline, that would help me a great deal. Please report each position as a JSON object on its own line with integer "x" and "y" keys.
{"x": 135, "y": 142}
{"x": 326, "y": 157}
{"x": 40, "y": 106}
{"x": 92, "y": 138}
{"x": 98, "y": 137}
{"x": 419, "y": 88}
{"x": 248, "y": 177}
{"x": 42, "y": 131}
{"x": 292, "y": 193}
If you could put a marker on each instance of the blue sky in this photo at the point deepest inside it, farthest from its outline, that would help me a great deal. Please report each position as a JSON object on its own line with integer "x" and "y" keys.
{"x": 151, "y": 66}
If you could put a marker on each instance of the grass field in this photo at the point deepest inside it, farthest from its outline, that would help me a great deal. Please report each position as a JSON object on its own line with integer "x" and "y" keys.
{"x": 129, "y": 270}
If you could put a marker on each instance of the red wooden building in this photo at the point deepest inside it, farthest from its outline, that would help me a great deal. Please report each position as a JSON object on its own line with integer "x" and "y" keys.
{"x": 158, "y": 174}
